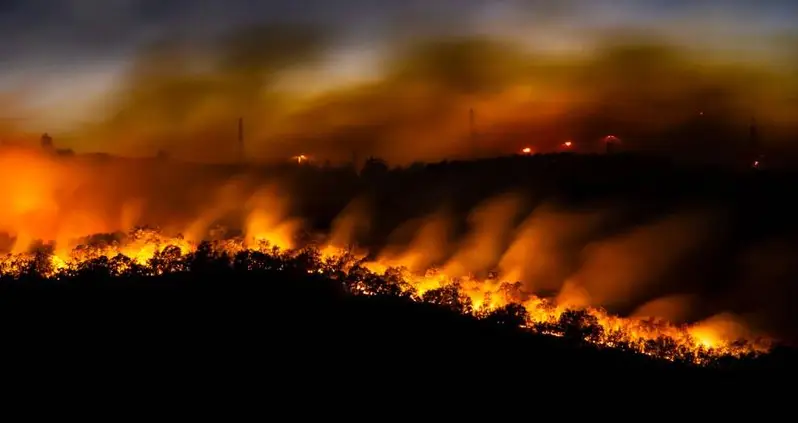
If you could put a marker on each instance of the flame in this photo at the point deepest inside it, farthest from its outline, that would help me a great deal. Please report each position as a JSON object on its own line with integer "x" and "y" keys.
{"x": 36, "y": 211}
{"x": 698, "y": 343}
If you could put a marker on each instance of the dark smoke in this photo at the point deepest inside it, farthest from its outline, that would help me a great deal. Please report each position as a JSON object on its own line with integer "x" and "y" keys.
{"x": 186, "y": 98}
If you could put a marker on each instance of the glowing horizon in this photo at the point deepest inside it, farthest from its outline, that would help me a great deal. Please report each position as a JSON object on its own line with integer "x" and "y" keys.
{"x": 69, "y": 82}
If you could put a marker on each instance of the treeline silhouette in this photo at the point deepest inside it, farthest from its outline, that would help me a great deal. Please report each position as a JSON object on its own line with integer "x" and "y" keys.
{"x": 257, "y": 310}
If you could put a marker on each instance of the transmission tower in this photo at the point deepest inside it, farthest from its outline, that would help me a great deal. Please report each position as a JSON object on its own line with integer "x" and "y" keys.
{"x": 241, "y": 151}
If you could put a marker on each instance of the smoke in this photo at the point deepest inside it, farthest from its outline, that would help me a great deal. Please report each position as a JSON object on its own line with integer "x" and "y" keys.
{"x": 645, "y": 270}
{"x": 258, "y": 208}
{"x": 722, "y": 326}
{"x": 185, "y": 97}
{"x": 430, "y": 244}
{"x": 35, "y": 197}
{"x": 267, "y": 219}
{"x": 674, "y": 308}
{"x": 592, "y": 256}
{"x": 491, "y": 226}
{"x": 546, "y": 245}
{"x": 763, "y": 285}
{"x": 622, "y": 270}
{"x": 63, "y": 200}
{"x": 351, "y": 224}
{"x": 583, "y": 258}
{"x": 226, "y": 200}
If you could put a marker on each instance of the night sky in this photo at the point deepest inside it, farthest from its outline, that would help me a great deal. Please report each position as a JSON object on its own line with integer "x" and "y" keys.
{"x": 52, "y": 31}
{"x": 57, "y": 51}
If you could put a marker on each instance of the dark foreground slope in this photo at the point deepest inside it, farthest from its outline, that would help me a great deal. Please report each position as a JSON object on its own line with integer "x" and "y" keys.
{"x": 217, "y": 324}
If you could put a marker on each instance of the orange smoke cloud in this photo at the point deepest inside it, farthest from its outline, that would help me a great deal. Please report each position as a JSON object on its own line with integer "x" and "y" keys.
{"x": 61, "y": 200}
{"x": 351, "y": 224}
{"x": 47, "y": 199}
{"x": 712, "y": 331}
{"x": 430, "y": 244}
{"x": 674, "y": 308}
{"x": 655, "y": 96}
{"x": 267, "y": 220}
{"x": 619, "y": 271}
{"x": 542, "y": 253}
{"x": 491, "y": 225}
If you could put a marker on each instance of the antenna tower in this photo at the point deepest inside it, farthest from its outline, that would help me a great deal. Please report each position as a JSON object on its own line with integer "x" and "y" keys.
{"x": 241, "y": 154}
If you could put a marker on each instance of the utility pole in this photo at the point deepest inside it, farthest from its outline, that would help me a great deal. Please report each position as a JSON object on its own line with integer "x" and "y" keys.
{"x": 241, "y": 153}
{"x": 472, "y": 127}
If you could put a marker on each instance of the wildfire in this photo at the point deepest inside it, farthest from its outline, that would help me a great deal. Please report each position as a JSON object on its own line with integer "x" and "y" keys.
{"x": 55, "y": 202}
{"x": 702, "y": 341}
{"x": 149, "y": 250}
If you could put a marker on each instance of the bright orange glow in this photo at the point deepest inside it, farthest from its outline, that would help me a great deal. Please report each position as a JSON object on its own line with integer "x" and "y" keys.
{"x": 713, "y": 337}
{"x": 568, "y": 144}
{"x": 51, "y": 205}
{"x": 526, "y": 150}
{"x": 708, "y": 339}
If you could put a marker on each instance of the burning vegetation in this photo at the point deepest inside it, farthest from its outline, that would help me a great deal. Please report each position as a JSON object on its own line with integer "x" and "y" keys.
{"x": 546, "y": 271}
{"x": 147, "y": 252}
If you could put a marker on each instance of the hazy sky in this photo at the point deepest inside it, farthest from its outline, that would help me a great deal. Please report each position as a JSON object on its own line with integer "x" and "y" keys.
{"x": 70, "y": 49}
{"x": 53, "y": 31}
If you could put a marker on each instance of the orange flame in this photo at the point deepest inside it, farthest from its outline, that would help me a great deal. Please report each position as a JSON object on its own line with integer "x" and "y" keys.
{"x": 714, "y": 337}
{"x": 34, "y": 212}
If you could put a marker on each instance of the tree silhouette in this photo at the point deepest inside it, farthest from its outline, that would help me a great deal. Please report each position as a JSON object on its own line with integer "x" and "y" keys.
{"x": 374, "y": 168}
{"x": 511, "y": 315}
{"x": 449, "y": 297}
{"x": 579, "y": 325}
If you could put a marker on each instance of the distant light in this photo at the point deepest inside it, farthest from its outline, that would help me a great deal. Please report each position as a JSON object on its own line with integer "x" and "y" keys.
{"x": 568, "y": 144}
{"x": 300, "y": 158}
{"x": 526, "y": 150}
{"x": 756, "y": 164}
{"x": 701, "y": 113}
